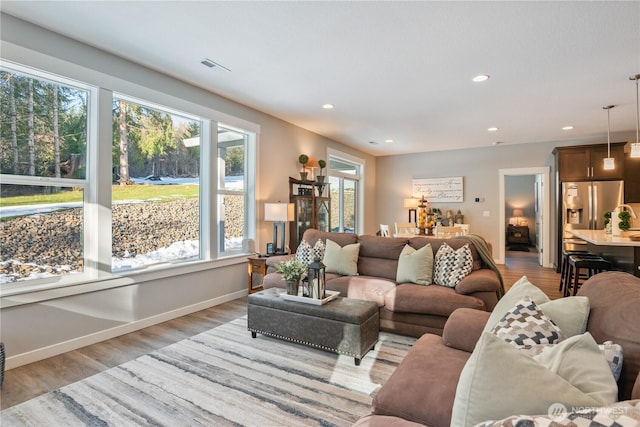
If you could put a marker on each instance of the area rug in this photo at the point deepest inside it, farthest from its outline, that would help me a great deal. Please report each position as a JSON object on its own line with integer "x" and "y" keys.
{"x": 222, "y": 377}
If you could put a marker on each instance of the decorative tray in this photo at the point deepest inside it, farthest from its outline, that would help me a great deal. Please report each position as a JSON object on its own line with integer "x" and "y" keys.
{"x": 330, "y": 295}
{"x": 634, "y": 237}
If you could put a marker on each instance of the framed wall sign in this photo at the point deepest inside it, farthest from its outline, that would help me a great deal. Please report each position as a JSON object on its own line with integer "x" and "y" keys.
{"x": 439, "y": 190}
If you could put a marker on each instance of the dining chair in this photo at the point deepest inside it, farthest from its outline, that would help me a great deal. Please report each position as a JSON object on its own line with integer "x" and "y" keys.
{"x": 384, "y": 230}
{"x": 465, "y": 228}
{"x": 447, "y": 232}
{"x": 405, "y": 229}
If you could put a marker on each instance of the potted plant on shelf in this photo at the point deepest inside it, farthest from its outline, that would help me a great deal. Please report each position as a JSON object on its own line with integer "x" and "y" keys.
{"x": 303, "y": 159}
{"x": 292, "y": 271}
{"x": 322, "y": 164}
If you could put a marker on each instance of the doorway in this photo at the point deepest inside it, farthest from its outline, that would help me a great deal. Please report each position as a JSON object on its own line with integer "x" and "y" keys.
{"x": 540, "y": 212}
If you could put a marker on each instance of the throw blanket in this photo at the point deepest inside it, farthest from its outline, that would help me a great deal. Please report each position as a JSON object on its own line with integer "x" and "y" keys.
{"x": 485, "y": 255}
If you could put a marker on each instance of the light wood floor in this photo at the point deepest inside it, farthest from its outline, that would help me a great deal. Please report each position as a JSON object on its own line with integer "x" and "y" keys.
{"x": 29, "y": 381}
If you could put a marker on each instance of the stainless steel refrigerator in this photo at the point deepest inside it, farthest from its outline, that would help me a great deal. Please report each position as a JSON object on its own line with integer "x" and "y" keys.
{"x": 584, "y": 205}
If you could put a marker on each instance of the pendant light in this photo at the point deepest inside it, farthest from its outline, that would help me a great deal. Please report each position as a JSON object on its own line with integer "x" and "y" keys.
{"x": 609, "y": 162}
{"x": 635, "y": 146}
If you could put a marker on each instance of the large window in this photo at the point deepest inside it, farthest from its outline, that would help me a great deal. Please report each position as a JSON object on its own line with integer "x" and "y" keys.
{"x": 232, "y": 146}
{"x": 43, "y": 151}
{"x": 165, "y": 190}
{"x": 155, "y": 193}
{"x": 344, "y": 176}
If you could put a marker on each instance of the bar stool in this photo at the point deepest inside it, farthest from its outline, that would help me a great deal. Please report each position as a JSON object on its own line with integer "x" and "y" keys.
{"x": 592, "y": 265}
{"x": 564, "y": 266}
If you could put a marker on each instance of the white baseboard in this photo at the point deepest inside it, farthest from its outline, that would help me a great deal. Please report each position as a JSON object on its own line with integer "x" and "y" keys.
{"x": 76, "y": 343}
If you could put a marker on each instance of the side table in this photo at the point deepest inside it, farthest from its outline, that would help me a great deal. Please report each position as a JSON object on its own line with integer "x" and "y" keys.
{"x": 256, "y": 269}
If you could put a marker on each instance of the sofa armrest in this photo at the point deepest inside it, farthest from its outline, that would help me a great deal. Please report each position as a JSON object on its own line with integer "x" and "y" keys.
{"x": 483, "y": 280}
{"x": 274, "y": 260}
{"x": 463, "y": 328}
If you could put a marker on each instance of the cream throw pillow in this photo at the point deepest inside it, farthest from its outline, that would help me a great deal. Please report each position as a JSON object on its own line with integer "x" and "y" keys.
{"x": 415, "y": 266}
{"x": 499, "y": 381}
{"x": 570, "y": 314}
{"x": 341, "y": 260}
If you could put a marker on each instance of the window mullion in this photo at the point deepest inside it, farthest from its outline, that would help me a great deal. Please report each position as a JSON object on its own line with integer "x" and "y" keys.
{"x": 97, "y": 211}
{"x": 208, "y": 189}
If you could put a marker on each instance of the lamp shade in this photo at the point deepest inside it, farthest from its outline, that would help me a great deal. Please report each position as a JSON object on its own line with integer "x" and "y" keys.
{"x": 411, "y": 203}
{"x": 278, "y": 212}
{"x": 312, "y": 163}
{"x": 518, "y": 212}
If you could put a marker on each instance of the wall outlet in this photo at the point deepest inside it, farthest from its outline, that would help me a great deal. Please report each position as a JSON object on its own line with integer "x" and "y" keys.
{"x": 485, "y": 213}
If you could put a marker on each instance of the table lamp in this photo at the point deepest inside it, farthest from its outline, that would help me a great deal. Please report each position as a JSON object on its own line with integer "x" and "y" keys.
{"x": 517, "y": 213}
{"x": 280, "y": 214}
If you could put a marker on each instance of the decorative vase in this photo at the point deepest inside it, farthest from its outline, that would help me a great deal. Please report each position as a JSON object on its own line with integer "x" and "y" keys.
{"x": 292, "y": 287}
{"x": 320, "y": 178}
{"x": 303, "y": 176}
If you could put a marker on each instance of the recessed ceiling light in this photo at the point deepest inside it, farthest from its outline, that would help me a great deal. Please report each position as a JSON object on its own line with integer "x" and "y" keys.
{"x": 328, "y": 106}
{"x": 481, "y": 78}
{"x": 492, "y": 129}
{"x": 567, "y": 127}
{"x": 388, "y": 141}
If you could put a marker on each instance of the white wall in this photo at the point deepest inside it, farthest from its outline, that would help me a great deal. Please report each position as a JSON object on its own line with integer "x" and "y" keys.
{"x": 42, "y": 324}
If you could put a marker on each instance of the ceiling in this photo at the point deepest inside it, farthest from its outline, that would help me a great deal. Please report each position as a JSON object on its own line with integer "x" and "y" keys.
{"x": 396, "y": 70}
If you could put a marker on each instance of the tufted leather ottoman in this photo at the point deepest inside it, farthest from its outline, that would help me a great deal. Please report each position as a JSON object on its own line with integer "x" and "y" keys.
{"x": 344, "y": 325}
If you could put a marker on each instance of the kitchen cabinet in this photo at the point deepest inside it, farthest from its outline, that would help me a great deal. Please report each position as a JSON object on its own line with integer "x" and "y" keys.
{"x": 586, "y": 162}
{"x": 312, "y": 203}
{"x": 631, "y": 179}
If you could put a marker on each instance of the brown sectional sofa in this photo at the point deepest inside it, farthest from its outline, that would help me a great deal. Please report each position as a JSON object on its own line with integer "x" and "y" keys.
{"x": 421, "y": 391}
{"x": 405, "y": 308}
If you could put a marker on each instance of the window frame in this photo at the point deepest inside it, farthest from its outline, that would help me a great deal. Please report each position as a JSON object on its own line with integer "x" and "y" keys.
{"x": 97, "y": 182}
{"x": 358, "y": 178}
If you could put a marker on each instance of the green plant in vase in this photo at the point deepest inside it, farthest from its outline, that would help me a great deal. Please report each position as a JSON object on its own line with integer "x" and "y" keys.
{"x": 322, "y": 164}
{"x": 607, "y": 222}
{"x": 292, "y": 271}
{"x": 303, "y": 159}
{"x": 624, "y": 217}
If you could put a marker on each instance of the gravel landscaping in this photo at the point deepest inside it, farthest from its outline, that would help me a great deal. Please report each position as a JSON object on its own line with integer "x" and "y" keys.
{"x": 51, "y": 243}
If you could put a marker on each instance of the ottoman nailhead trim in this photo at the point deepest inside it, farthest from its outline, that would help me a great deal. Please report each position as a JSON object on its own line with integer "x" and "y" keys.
{"x": 322, "y": 347}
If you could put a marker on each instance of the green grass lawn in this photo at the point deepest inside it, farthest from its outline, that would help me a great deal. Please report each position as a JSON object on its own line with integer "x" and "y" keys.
{"x": 127, "y": 192}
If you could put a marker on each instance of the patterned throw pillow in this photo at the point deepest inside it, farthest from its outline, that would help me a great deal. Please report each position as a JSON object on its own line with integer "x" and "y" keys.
{"x": 304, "y": 253}
{"x": 451, "y": 266}
{"x": 318, "y": 250}
{"x": 526, "y": 325}
{"x": 307, "y": 253}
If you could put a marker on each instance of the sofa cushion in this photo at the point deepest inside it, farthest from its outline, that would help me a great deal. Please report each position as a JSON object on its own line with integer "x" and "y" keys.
{"x": 452, "y": 265}
{"x": 372, "y": 420}
{"x": 415, "y": 266}
{"x": 362, "y": 287}
{"x": 499, "y": 380}
{"x": 379, "y": 256}
{"x": 434, "y": 299}
{"x": 341, "y": 260}
{"x": 464, "y": 328}
{"x": 343, "y": 239}
{"x": 526, "y": 325}
{"x": 423, "y": 386}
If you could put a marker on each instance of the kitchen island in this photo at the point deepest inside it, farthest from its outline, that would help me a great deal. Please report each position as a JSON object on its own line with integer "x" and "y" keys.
{"x": 621, "y": 251}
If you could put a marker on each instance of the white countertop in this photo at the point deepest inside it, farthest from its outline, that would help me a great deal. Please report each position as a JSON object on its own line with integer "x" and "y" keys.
{"x": 598, "y": 237}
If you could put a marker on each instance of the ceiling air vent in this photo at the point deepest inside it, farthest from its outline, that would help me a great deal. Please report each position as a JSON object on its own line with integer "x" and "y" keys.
{"x": 212, "y": 64}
